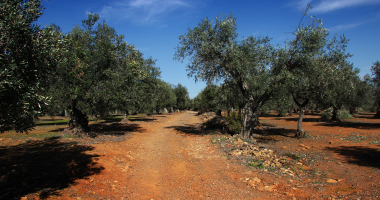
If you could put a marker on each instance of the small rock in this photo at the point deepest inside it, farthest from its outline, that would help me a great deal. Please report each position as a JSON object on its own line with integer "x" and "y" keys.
{"x": 253, "y": 182}
{"x": 235, "y": 152}
{"x": 24, "y": 198}
{"x": 330, "y": 142}
{"x": 266, "y": 163}
{"x": 269, "y": 188}
{"x": 331, "y": 181}
{"x": 284, "y": 147}
{"x": 306, "y": 168}
{"x": 302, "y": 145}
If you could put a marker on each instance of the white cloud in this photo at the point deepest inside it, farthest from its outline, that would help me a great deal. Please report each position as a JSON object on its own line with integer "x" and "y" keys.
{"x": 344, "y": 27}
{"x": 331, "y": 5}
{"x": 142, "y": 11}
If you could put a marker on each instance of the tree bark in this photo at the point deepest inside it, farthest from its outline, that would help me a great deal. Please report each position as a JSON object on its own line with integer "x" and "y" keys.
{"x": 301, "y": 106}
{"x": 377, "y": 115}
{"x": 78, "y": 120}
{"x": 251, "y": 115}
{"x": 300, "y": 132}
{"x": 291, "y": 111}
{"x": 334, "y": 116}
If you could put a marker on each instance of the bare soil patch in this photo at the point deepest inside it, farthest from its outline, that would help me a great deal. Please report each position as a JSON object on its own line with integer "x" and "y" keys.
{"x": 172, "y": 157}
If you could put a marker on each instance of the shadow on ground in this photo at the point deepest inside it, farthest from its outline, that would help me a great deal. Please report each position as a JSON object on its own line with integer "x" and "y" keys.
{"x": 116, "y": 129}
{"x": 306, "y": 119}
{"x": 43, "y": 167}
{"x": 270, "y": 130}
{"x": 359, "y": 155}
{"x": 188, "y": 129}
{"x": 142, "y": 119}
{"x": 358, "y": 125}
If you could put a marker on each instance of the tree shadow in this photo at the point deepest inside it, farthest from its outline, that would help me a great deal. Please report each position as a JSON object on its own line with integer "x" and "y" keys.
{"x": 51, "y": 124}
{"x": 112, "y": 119}
{"x": 115, "y": 129}
{"x": 269, "y": 130}
{"x": 188, "y": 129}
{"x": 359, "y": 155}
{"x": 305, "y": 119}
{"x": 143, "y": 119}
{"x": 44, "y": 166}
{"x": 365, "y": 115}
{"x": 357, "y": 125}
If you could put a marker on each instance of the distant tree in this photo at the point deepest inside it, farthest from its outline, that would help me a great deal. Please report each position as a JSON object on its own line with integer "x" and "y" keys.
{"x": 28, "y": 55}
{"x": 215, "y": 54}
{"x": 229, "y": 96}
{"x": 208, "y": 97}
{"x": 343, "y": 90}
{"x": 165, "y": 96}
{"x": 182, "y": 96}
{"x": 376, "y": 81}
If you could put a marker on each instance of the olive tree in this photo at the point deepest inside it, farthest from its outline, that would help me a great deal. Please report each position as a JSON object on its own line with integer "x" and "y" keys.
{"x": 216, "y": 54}
{"x": 28, "y": 55}
{"x": 311, "y": 60}
{"x": 376, "y": 82}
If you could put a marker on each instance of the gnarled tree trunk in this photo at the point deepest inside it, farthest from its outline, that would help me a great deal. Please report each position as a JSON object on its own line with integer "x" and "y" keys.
{"x": 300, "y": 132}
{"x": 251, "y": 115}
{"x": 334, "y": 116}
{"x": 78, "y": 120}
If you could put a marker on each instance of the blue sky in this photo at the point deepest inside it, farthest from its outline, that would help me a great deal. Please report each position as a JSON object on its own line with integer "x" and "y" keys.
{"x": 154, "y": 26}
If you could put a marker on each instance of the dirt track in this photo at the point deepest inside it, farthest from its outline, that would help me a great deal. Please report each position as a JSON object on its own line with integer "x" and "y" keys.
{"x": 167, "y": 159}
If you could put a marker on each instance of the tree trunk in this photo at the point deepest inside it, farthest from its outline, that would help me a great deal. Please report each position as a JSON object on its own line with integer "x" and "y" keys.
{"x": 300, "y": 132}
{"x": 334, "y": 116}
{"x": 291, "y": 111}
{"x": 126, "y": 114}
{"x": 301, "y": 106}
{"x": 377, "y": 115}
{"x": 248, "y": 123}
{"x": 78, "y": 120}
{"x": 251, "y": 116}
{"x": 219, "y": 112}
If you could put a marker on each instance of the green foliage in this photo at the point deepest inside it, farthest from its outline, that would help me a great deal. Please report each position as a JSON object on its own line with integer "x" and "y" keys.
{"x": 182, "y": 95}
{"x": 208, "y": 97}
{"x": 234, "y": 122}
{"x": 101, "y": 73}
{"x": 342, "y": 114}
{"x": 258, "y": 164}
{"x": 293, "y": 156}
{"x": 215, "y": 55}
{"x": 376, "y": 85}
{"x": 28, "y": 55}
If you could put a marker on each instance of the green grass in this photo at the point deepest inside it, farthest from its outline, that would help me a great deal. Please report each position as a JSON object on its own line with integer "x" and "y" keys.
{"x": 293, "y": 156}
{"x": 355, "y": 138}
{"x": 257, "y": 164}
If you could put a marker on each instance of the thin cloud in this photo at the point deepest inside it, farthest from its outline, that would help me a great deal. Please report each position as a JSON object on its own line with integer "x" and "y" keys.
{"x": 142, "y": 11}
{"x": 331, "y": 5}
{"x": 344, "y": 27}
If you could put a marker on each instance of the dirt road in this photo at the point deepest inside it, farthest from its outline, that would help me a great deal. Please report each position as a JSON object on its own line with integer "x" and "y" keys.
{"x": 167, "y": 159}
